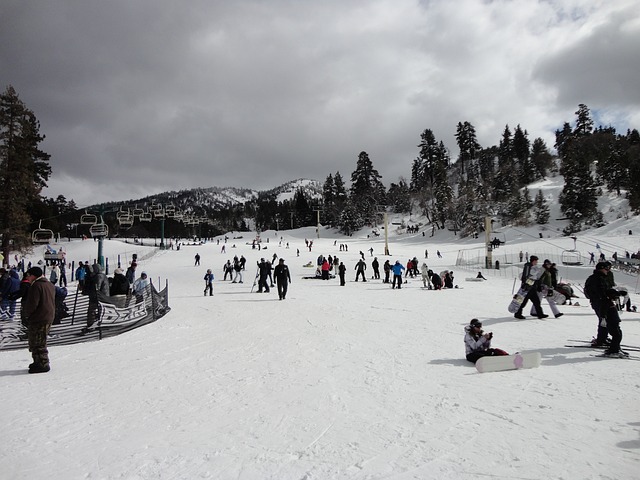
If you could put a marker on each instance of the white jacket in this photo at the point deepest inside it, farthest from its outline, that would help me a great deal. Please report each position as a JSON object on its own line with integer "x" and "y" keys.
{"x": 473, "y": 345}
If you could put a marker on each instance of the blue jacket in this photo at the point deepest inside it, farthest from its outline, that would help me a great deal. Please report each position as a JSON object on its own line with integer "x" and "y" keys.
{"x": 397, "y": 268}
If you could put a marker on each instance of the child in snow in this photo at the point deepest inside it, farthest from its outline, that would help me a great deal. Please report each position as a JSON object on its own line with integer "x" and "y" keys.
{"x": 208, "y": 283}
{"x": 477, "y": 343}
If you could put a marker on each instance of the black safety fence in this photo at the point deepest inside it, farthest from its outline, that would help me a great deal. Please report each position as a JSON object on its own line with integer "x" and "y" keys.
{"x": 80, "y": 318}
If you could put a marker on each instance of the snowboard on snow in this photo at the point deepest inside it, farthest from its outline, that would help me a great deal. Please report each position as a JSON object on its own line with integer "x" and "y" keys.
{"x": 508, "y": 362}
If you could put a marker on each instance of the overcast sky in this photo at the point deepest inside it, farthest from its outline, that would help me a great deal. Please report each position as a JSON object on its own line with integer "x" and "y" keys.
{"x": 140, "y": 97}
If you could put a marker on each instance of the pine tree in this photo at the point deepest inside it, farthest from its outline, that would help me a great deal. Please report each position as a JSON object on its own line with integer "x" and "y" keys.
{"x": 540, "y": 209}
{"x": 541, "y": 159}
{"x": 578, "y": 200}
{"x": 399, "y": 197}
{"x": 24, "y": 170}
{"x": 521, "y": 152}
{"x": 367, "y": 190}
{"x": 468, "y": 145}
{"x": 442, "y": 191}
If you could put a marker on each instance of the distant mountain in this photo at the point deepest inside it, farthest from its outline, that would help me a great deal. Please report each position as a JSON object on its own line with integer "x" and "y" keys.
{"x": 227, "y": 197}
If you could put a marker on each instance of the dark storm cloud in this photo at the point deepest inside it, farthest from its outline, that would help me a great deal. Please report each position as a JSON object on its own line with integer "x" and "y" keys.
{"x": 138, "y": 97}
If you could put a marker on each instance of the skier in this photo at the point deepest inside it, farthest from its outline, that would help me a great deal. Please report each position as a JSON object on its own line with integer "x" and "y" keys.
{"x": 208, "y": 283}
{"x": 282, "y": 277}
{"x": 477, "y": 343}
{"x": 595, "y": 289}
{"x": 397, "y": 274}
{"x": 197, "y": 257}
{"x": 360, "y": 268}
{"x": 263, "y": 274}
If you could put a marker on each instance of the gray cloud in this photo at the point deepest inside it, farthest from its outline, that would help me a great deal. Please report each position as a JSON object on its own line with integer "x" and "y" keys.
{"x": 141, "y": 97}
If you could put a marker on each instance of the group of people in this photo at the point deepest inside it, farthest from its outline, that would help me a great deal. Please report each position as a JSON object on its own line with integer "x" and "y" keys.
{"x": 538, "y": 281}
{"x": 281, "y": 275}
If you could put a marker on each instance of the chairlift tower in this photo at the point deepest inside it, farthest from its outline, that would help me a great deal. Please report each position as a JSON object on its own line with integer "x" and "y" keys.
{"x": 487, "y": 236}
{"x": 318, "y": 210}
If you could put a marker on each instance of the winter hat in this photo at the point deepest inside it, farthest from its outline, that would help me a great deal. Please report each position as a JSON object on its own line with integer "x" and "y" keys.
{"x": 35, "y": 271}
{"x": 601, "y": 265}
{"x": 117, "y": 270}
{"x": 475, "y": 323}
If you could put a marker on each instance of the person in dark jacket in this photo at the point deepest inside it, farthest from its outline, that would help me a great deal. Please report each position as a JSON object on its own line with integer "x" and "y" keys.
{"x": 264, "y": 270}
{"x": 597, "y": 289}
{"x": 10, "y": 292}
{"x": 119, "y": 285}
{"x": 376, "y": 268}
{"x": 97, "y": 284}
{"x": 282, "y": 277}
{"x": 436, "y": 280}
{"x": 342, "y": 271}
{"x": 39, "y": 309}
{"x": 387, "y": 270}
{"x": 360, "y": 268}
{"x": 131, "y": 273}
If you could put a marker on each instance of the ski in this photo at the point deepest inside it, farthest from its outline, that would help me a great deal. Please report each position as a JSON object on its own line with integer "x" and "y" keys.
{"x": 589, "y": 342}
{"x": 630, "y": 357}
{"x": 603, "y": 347}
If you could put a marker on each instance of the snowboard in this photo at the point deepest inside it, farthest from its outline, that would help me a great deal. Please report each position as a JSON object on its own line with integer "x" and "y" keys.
{"x": 508, "y": 362}
{"x": 519, "y": 297}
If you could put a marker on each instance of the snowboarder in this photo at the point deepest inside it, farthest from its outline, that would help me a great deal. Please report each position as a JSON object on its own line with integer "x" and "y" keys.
{"x": 530, "y": 278}
{"x": 477, "y": 343}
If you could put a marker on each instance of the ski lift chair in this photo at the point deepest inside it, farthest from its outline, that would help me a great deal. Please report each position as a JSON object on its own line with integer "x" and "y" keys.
{"x": 42, "y": 235}
{"x": 571, "y": 257}
{"x": 137, "y": 211}
{"x": 170, "y": 210}
{"x": 99, "y": 230}
{"x": 88, "y": 219}
{"x": 146, "y": 217}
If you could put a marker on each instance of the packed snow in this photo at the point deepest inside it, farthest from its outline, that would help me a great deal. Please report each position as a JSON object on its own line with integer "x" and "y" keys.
{"x": 354, "y": 382}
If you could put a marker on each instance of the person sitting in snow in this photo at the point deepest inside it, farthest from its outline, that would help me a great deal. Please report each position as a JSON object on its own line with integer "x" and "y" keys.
{"x": 477, "y": 343}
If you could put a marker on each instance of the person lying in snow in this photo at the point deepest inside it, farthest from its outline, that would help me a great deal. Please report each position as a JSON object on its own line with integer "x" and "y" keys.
{"x": 477, "y": 343}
